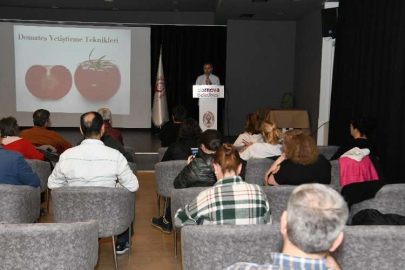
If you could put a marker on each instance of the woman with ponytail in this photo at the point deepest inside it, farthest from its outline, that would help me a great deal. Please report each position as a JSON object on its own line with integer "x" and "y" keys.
{"x": 245, "y": 203}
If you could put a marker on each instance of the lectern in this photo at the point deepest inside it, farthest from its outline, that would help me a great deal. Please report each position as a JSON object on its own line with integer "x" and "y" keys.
{"x": 208, "y": 95}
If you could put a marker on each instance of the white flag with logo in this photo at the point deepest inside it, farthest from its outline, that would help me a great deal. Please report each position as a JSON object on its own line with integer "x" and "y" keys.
{"x": 160, "y": 114}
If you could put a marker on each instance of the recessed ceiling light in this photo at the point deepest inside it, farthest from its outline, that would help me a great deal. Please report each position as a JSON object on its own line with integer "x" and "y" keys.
{"x": 109, "y": 0}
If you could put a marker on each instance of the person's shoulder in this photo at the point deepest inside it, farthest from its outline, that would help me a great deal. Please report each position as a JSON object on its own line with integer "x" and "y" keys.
{"x": 10, "y": 155}
{"x": 26, "y": 131}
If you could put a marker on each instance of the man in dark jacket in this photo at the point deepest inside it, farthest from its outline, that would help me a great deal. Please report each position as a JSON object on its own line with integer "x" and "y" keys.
{"x": 198, "y": 173}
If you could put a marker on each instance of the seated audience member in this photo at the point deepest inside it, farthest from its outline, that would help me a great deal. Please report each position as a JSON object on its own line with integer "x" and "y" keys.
{"x": 169, "y": 131}
{"x": 39, "y": 135}
{"x": 360, "y": 129}
{"x": 11, "y": 141}
{"x": 107, "y": 118}
{"x": 114, "y": 144}
{"x": 198, "y": 173}
{"x": 92, "y": 164}
{"x": 14, "y": 170}
{"x": 231, "y": 201}
{"x": 312, "y": 226}
{"x": 252, "y": 132}
{"x": 301, "y": 162}
{"x": 189, "y": 134}
{"x": 269, "y": 148}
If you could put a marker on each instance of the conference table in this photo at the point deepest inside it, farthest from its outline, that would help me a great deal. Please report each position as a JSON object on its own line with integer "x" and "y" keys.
{"x": 285, "y": 118}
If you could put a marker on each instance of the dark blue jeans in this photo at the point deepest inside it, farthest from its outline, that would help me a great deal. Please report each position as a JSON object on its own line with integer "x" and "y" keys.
{"x": 124, "y": 237}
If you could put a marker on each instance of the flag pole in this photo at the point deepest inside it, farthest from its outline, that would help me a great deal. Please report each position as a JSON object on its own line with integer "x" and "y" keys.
{"x": 160, "y": 114}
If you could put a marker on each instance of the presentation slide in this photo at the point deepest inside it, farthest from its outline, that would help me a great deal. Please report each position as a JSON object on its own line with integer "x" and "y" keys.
{"x": 70, "y": 70}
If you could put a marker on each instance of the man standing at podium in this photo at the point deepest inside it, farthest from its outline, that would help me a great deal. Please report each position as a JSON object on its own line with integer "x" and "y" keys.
{"x": 207, "y": 78}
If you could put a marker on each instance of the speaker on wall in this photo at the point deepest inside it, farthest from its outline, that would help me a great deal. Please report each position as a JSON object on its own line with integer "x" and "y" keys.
{"x": 329, "y": 22}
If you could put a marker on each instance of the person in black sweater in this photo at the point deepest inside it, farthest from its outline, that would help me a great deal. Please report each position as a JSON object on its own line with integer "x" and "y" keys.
{"x": 169, "y": 131}
{"x": 360, "y": 129}
{"x": 300, "y": 163}
{"x": 189, "y": 134}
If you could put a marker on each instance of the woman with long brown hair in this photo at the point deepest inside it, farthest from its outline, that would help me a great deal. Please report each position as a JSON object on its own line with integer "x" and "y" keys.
{"x": 252, "y": 132}
{"x": 300, "y": 163}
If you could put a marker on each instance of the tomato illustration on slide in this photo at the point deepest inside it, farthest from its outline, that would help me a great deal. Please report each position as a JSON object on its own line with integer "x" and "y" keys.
{"x": 97, "y": 79}
{"x": 48, "y": 82}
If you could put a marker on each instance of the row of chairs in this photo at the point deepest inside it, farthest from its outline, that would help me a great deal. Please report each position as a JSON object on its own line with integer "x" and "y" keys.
{"x": 81, "y": 216}
{"x": 166, "y": 172}
{"x": 390, "y": 199}
{"x": 112, "y": 209}
{"x": 217, "y": 247}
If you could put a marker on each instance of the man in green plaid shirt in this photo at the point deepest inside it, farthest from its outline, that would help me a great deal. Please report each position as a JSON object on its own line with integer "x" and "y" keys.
{"x": 231, "y": 201}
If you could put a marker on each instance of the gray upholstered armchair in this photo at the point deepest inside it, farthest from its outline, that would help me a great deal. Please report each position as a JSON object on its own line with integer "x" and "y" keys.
{"x": 180, "y": 198}
{"x": 161, "y": 153}
{"x": 113, "y": 208}
{"x": 328, "y": 151}
{"x": 165, "y": 173}
{"x": 390, "y": 199}
{"x": 43, "y": 169}
{"x": 255, "y": 170}
{"x": 49, "y": 246}
{"x": 19, "y": 204}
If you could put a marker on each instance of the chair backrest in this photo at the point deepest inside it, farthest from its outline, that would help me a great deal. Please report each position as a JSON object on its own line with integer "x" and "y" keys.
{"x": 278, "y": 198}
{"x": 19, "y": 204}
{"x": 43, "y": 169}
{"x": 49, "y": 246}
{"x": 161, "y": 153}
{"x": 372, "y": 247}
{"x": 390, "y": 199}
{"x": 133, "y": 167}
{"x": 255, "y": 170}
{"x": 217, "y": 247}
{"x": 328, "y": 151}
{"x": 130, "y": 150}
{"x": 113, "y": 208}
{"x": 335, "y": 178}
{"x": 181, "y": 197}
{"x": 165, "y": 173}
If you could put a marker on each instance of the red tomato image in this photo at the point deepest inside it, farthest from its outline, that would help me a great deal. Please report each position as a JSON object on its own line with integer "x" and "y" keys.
{"x": 97, "y": 79}
{"x": 48, "y": 82}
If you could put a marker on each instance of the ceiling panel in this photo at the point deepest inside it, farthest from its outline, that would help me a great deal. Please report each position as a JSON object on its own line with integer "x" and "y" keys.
{"x": 223, "y": 10}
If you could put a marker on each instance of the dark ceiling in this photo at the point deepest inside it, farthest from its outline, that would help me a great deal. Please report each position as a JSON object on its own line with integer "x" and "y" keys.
{"x": 219, "y": 10}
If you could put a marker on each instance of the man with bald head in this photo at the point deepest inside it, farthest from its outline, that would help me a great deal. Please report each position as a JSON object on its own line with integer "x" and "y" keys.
{"x": 93, "y": 164}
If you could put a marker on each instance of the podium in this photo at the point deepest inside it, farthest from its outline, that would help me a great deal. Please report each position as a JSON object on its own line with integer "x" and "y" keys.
{"x": 208, "y": 104}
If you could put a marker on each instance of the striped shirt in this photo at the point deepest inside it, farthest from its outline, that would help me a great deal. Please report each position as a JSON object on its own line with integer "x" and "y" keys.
{"x": 231, "y": 201}
{"x": 284, "y": 262}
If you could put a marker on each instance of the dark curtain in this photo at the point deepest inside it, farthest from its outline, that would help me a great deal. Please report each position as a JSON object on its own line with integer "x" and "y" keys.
{"x": 368, "y": 77}
{"x": 185, "y": 50}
